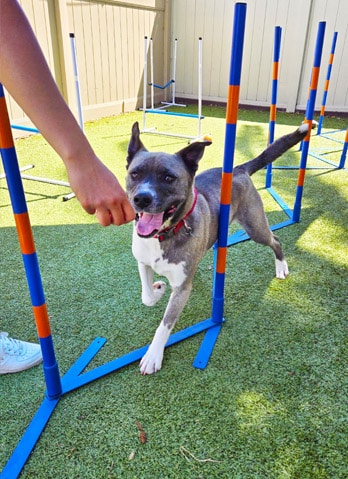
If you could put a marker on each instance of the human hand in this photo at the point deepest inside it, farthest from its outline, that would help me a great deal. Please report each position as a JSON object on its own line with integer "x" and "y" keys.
{"x": 100, "y": 193}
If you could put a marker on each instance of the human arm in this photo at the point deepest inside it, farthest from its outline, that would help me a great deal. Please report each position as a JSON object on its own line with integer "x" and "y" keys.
{"x": 26, "y": 76}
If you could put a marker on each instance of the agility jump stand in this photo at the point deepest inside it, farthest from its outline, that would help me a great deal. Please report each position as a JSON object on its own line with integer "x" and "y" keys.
{"x": 162, "y": 110}
{"x": 39, "y": 178}
{"x": 75, "y": 377}
{"x": 320, "y": 154}
{"x": 171, "y": 82}
{"x": 35, "y": 130}
{"x": 294, "y": 214}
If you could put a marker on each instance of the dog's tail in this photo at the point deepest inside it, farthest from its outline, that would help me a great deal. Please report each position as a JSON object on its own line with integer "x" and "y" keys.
{"x": 275, "y": 150}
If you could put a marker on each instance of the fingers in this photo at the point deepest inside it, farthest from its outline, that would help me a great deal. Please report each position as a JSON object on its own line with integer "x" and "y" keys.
{"x": 128, "y": 212}
{"x": 100, "y": 193}
{"x": 120, "y": 214}
{"x": 104, "y": 217}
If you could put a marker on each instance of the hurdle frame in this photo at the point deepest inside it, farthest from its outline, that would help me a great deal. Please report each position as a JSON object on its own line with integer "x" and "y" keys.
{"x": 162, "y": 109}
{"x": 75, "y": 377}
{"x": 171, "y": 82}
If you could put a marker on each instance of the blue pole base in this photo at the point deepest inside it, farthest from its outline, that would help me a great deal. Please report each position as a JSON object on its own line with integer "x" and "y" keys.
{"x": 207, "y": 346}
{"x": 75, "y": 378}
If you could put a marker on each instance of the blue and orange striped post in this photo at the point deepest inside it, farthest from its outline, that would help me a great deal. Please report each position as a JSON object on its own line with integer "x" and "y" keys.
{"x": 27, "y": 246}
{"x": 327, "y": 82}
{"x": 309, "y": 119}
{"x": 344, "y": 152}
{"x": 273, "y": 106}
{"x": 227, "y": 169}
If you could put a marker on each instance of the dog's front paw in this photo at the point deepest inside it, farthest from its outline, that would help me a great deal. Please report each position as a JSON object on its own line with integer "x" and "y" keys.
{"x": 159, "y": 288}
{"x": 282, "y": 269}
{"x": 152, "y": 361}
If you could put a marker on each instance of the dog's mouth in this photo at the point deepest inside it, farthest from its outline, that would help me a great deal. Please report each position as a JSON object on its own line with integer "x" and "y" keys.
{"x": 148, "y": 224}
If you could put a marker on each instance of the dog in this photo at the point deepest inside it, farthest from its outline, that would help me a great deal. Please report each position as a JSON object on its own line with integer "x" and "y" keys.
{"x": 177, "y": 221}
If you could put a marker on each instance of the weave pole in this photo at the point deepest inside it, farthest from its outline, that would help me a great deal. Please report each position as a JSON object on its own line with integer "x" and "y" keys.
{"x": 27, "y": 246}
{"x": 309, "y": 119}
{"x": 226, "y": 185}
{"x": 344, "y": 152}
{"x": 327, "y": 83}
{"x": 273, "y": 106}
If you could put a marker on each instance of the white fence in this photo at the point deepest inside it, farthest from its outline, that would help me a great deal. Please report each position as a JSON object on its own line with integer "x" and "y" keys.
{"x": 110, "y": 50}
{"x": 212, "y": 20}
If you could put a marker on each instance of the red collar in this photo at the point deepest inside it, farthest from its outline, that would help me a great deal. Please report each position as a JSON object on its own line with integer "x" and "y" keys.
{"x": 162, "y": 234}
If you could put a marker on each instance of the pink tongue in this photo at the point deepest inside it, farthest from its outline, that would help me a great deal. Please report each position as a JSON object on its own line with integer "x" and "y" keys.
{"x": 148, "y": 223}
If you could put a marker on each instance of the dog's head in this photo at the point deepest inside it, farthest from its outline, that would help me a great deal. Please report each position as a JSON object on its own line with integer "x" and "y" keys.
{"x": 159, "y": 185}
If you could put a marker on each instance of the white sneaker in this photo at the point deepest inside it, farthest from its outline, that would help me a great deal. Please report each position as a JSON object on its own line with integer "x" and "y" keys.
{"x": 17, "y": 355}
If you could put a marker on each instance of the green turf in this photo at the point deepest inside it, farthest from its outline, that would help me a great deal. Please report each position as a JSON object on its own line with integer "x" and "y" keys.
{"x": 272, "y": 403}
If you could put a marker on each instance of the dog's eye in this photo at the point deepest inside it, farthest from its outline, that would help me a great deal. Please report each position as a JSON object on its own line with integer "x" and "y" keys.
{"x": 134, "y": 175}
{"x": 169, "y": 178}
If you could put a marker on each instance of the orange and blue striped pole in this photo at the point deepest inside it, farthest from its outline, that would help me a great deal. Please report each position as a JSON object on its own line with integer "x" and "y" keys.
{"x": 273, "y": 107}
{"x": 327, "y": 83}
{"x": 309, "y": 119}
{"x": 227, "y": 169}
{"x": 27, "y": 246}
{"x": 344, "y": 151}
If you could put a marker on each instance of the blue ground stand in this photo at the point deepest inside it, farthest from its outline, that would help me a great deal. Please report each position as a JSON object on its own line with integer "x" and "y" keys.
{"x": 75, "y": 378}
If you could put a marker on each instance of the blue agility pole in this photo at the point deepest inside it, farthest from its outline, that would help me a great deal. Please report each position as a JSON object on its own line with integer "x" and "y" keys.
{"x": 174, "y": 113}
{"x": 293, "y": 213}
{"x": 309, "y": 119}
{"x": 327, "y": 82}
{"x": 226, "y": 185}
{"x": 29, "y": 256}
{"x": 313, "y": 153}
{"x": 25, "y": 128}
{"x": 344, "y": 152}
{"x": 273, "y": 107}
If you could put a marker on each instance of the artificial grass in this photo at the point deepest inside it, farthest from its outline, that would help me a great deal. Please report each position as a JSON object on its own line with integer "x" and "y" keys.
{"x": 272, "y": 402}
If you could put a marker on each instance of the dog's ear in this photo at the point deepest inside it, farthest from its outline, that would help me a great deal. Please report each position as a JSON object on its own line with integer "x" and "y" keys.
{"x": 192, "y": 154}
{"x": 135, "y": 143}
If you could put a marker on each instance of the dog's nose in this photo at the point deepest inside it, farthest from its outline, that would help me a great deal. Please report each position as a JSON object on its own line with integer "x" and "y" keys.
{"x": 143, "y": 199}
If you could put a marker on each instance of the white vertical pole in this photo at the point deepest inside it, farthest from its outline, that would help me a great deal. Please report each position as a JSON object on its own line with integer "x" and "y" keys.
{"x": 200, "y": 63}
{"x": 151, "y": 73}
{"x": 76, "y": 76}
{"x": 174, "y": 71}
{"x": 144, "y": 83}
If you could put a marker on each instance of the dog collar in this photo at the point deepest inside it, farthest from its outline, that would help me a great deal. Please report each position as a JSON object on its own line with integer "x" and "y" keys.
{"x": 163, "y": 234}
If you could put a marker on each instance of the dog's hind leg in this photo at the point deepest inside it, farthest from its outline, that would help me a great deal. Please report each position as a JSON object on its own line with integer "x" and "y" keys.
{"x": 255, "y": 223}
{"x": 267, "y": 238}
{"x": 150, "y": 292}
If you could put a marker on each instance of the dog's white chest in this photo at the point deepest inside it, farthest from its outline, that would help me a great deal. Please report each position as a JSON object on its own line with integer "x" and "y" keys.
{"x": 149, "y": 252}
